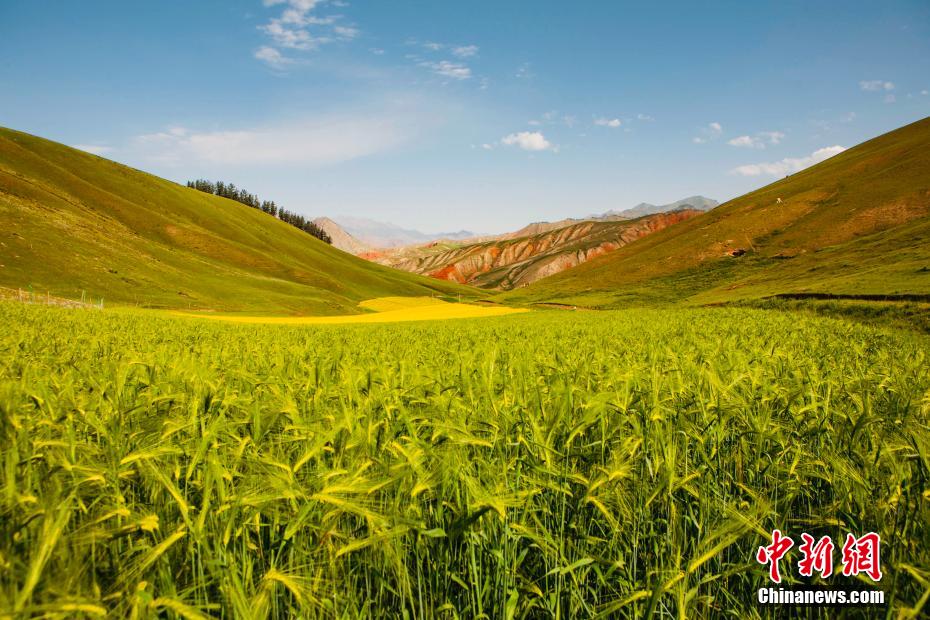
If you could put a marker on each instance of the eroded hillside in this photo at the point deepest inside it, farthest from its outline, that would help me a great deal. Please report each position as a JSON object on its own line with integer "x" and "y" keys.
{"x": 506, "y": 264}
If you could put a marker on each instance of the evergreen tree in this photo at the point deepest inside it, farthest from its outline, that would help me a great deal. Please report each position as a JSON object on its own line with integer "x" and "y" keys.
{"x": 230, "y": 191}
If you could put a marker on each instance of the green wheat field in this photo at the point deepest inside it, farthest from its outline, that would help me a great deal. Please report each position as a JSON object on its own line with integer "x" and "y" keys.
{"x": 548, "y": 464}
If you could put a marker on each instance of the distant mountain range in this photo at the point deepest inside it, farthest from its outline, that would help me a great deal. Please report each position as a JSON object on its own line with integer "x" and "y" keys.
{"x": 375, "y": 234}
{"x": 698, "y": 203}
{"x": 364, "y": 236}
{"x": 513, "y": 259}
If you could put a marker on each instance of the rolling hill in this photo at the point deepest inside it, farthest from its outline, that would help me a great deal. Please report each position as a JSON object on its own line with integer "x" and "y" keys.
{"x": 73, "y": 223}
{"x": 857, "y": 224}
{"x": 511, "y": 262}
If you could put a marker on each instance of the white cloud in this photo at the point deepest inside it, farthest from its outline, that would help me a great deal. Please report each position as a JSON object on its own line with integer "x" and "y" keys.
{"x": 272, "y": 57}
{"x": 487, "y": 147}
{"x": 757, "y": 141}
{"x": 925, "y": 92}
{"x": 554, "y": 117}
{"x": 346, "y": 33}
{"x": 292, "y": 38}
{"x": 773, "y": 137}
{"x": 746, "y": 141}
{"x": 711, "y": 132}
{"x": 788, "y": 165}
{"x": 298, "y": 27}
{"x": 529, "y": 141}
{"x": 644, "y": 117}
{"x": 465, "y": 51}
{"x": 889, "y": 98}
{"x": 449, "y": 69}
{"x": 874, "y": 85}
{"x": 608, "y": 122}
{"x": 377, "y": 51}
{"x": 314, "y": 142}
{"x": 453, "y": 69}
{"x": 93, "y": 149}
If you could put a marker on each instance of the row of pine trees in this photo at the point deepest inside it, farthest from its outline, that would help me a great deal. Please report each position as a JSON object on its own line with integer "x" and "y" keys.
{"x": 228, "y": 190}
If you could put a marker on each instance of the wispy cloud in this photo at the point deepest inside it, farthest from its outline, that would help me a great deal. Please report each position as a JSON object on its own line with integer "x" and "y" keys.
{"x": 272, "y": 57}
{"x": 554, "y": 117}
{"x": 529, "y": 141}
{"x": 613, "y": 123}
{"x": 524, "y": 72}
{"x": 459, "y": 51}
{"x": 788, "y": 165}
{"x": 447, "y": 68}
{"x": 758, "y": 141}
{"x": 94, "y": 149}
{"x": 346, "y": 33}
{"x": 299, "y": 28}
{"x": 876, "y": 85}
{"x": 711, "y": 132}
{"x": 644, "y": 117}
{"x": 321, "y": 141}
{"x": 465, "y": 51}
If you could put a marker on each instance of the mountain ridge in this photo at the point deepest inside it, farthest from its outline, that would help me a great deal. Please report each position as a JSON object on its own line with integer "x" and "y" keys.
{"x": 511, "y": 262}
{"x": 700, "y": 203}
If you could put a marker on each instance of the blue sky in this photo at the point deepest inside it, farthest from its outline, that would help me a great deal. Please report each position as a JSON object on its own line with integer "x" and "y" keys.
{"x": 479, "y": 115}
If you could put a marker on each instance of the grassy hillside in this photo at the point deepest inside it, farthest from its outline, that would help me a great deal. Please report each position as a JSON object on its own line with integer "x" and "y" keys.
{"x": 73, "y": 222}
{"x": 856, "y": 224}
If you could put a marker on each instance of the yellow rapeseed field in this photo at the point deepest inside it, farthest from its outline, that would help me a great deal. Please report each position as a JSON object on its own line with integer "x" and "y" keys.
{"x": 386, "y": 310}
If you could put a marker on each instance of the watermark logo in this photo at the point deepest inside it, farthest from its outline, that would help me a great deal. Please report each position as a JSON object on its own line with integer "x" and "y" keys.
{"x": 859, "y": 556}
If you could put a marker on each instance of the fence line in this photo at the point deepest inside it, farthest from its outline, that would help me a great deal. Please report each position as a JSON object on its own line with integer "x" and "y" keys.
{"x": 31, "y": 297}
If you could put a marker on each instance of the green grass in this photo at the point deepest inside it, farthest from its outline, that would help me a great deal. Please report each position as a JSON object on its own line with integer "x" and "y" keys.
{"x": 858, "y": 223}
{"x": 549, "y": 464}
{"x": 913, "y": 315}
{"x": 72, "y": 223}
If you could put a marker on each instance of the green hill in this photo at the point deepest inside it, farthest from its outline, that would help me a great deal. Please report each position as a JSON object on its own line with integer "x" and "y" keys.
{"x": 857, "y": 224}
{"x": 71, "y": 222}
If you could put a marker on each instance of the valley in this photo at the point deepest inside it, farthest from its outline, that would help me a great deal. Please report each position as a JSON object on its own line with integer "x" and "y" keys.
{"x": 209, "y": 411}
